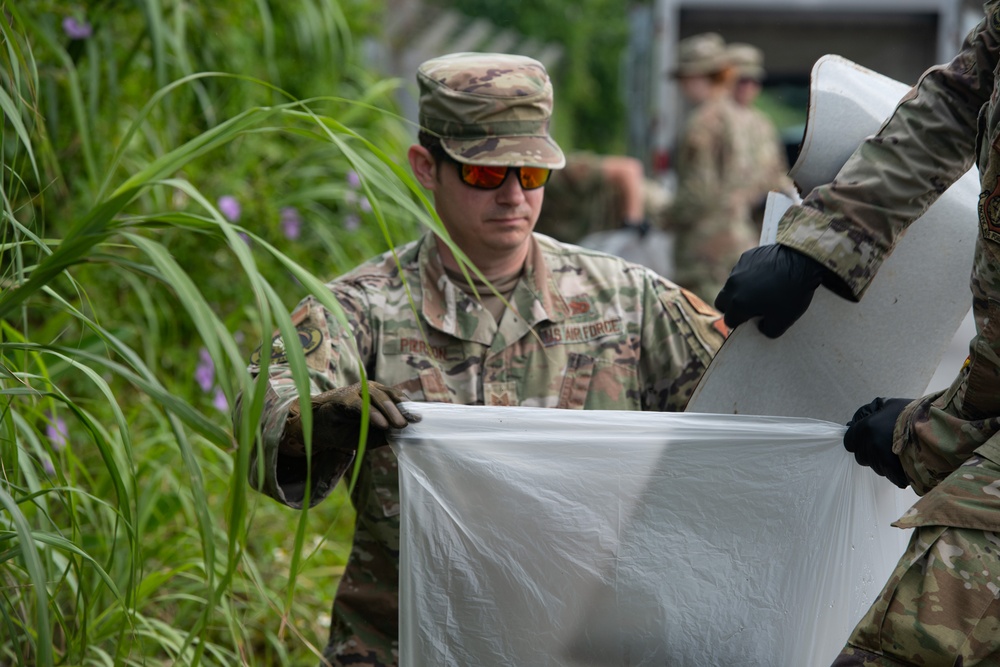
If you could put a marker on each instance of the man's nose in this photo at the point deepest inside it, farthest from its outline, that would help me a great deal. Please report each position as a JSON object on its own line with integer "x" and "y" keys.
{"x": 510, "y": 190}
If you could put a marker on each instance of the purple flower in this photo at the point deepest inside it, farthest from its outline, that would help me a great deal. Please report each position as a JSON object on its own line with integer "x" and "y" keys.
{"x": 229, "y": 206}
{"x": 291, "y": 222}
{"x": 246, "y": 238}
{"x": 239, "y": 337}
{"x": 365, "y": 205}
{"x": 57, "y": 433}
{"x": 353, "y": 180}
{"x": 76, "y": 30}
{"x": 220, "y": 401}
{"x": 204, "y": 373}
{"x": 47, "y": 465}
{"x": 351, "y": 222}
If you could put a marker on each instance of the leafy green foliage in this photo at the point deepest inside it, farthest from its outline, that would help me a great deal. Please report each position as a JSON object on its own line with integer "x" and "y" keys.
{"x": 176, "y": 176}
{"x": 587, "y": 77}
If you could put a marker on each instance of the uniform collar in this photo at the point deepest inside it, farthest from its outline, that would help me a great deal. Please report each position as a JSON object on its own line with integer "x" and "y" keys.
{"x": 449, "y": 310}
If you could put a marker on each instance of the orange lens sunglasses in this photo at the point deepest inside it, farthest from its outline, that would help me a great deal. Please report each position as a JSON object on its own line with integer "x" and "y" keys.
{"x": 491, "y": 178}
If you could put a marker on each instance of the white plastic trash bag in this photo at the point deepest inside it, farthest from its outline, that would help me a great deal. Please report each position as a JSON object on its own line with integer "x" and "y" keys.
{"x": 555, "y": 537}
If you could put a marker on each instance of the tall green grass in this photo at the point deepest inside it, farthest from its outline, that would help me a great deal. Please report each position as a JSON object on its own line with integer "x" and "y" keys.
{"x": 132, "y": 292}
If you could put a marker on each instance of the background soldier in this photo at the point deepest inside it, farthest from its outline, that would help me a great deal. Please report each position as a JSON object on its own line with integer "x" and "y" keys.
{"x": 597, "y": 193}
{"x": 941, "y": 606}
{"x": 710, "y": 216}
{"x": 766, "y": 150}
{"x": 586, "y": 330}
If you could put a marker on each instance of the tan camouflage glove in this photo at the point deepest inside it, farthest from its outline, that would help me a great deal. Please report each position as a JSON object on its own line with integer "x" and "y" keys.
{"x": 337, "y": 419}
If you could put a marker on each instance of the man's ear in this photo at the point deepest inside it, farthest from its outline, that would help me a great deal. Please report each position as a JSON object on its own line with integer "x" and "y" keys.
{"x": 424, "y": 166}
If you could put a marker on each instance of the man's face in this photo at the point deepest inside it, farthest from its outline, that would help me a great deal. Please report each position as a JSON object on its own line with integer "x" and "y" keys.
{"x": 746, "y": 91}
{"x": 488, "y": 225}
{"x": 696, "y": 89}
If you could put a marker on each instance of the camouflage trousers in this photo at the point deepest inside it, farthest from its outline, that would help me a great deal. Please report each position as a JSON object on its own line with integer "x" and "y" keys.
{"x": 941, "y": 606}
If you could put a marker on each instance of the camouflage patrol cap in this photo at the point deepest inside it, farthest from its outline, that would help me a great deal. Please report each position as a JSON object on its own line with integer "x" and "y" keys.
{"x": 702, "y": 54}
{"x": 489, "y": 109}
{"x": 748, "y": 59}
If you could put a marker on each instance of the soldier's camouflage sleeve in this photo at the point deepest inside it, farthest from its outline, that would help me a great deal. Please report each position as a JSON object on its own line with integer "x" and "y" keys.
{"x": 332, "y": 361}
{"x": 853, "y": 223}
{"x": 686, "y": 333}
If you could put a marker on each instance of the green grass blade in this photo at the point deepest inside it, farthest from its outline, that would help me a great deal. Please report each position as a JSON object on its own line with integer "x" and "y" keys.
{"x": 33, "y": 563}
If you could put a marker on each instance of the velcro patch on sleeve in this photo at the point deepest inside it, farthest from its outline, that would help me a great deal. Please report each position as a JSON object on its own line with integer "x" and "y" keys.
{"x": 697, "y": 303}
{"x": 309, "y": 338}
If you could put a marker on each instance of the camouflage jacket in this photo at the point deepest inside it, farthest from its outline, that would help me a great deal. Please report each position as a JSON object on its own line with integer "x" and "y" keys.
{"x": 716, "y": 187}
{"x": 770, "y": 164}
{"x": 579, "y": 200}
{"x": 944, "y": 124}
{"x": 590, "y": 331}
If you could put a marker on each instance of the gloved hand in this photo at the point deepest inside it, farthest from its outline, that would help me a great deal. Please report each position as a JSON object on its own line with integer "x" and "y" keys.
{"x": 774, "y": 282}
{"x": 869, "y": 438}
{"x": 337, "y": 419}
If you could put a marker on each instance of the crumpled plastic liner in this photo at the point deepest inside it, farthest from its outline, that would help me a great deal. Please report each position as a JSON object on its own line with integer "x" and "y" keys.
{"x": 541, "y": 537}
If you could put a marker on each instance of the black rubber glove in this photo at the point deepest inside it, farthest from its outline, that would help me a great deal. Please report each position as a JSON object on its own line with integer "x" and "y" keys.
{"x": 337, "y": 419}
{"x": 773, "y": 282}
{"x": 869, "y": 438}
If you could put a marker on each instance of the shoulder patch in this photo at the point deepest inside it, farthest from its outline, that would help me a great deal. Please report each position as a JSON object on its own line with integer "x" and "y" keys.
{"x": 696, "y": 302}
{"x": 309, "y": 338}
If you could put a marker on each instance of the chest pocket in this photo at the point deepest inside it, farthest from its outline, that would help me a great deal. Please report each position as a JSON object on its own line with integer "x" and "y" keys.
{"x": 433, "y": 385}
{"x": 414, "y": 364}
{"x": 598, "y": 384}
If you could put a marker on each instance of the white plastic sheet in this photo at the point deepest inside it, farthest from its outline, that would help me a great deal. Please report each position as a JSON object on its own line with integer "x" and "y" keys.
{"x": 554, "y": 537}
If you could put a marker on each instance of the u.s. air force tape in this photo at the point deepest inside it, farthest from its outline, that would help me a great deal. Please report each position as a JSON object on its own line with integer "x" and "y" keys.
{"x": 309, "y": 339}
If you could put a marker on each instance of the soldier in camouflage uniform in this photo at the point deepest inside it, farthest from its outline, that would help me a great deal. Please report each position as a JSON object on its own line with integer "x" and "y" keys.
{"x": 597, "y": 193}
{"x": 584, "y": 330}
{"x": 941, "y": 606}
{"x": 767, "y": 153}
{"x": 710, "y": 216}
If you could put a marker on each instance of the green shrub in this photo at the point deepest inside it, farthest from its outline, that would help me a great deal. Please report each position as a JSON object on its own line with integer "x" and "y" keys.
{"x": 176, "y": 176}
